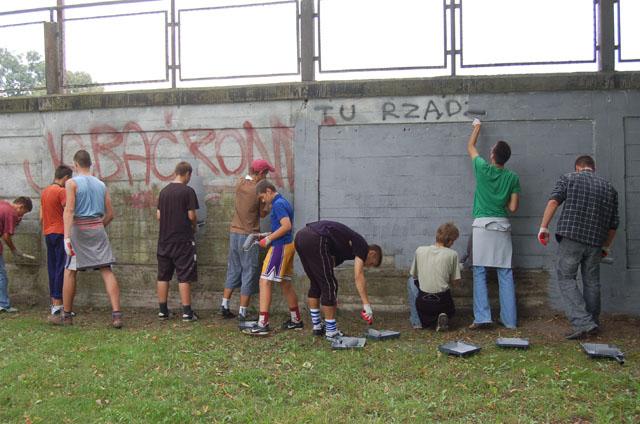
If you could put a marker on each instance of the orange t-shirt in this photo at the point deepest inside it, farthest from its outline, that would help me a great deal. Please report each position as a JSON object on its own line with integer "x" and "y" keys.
{"x": 52, "y": 202}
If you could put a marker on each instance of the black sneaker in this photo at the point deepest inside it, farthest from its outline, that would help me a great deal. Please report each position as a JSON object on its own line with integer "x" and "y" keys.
{"x": 319, "y": 331}
{"x": 443, "y": 322}
{"x": 163, "y": 317}
{"x": 190, "y": 317}
{"x": 258, "y": 330}
{"x": 226, "y": 313}
{"x": 290, "y": 325}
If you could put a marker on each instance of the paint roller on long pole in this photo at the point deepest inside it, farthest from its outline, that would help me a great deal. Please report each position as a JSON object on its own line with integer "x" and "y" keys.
{"x": 475, "y": 113}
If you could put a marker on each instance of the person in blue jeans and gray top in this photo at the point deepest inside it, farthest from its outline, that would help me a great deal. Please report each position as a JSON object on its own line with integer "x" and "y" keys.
{"x": 585, "y": 231}
{"x": 496, "y": 195}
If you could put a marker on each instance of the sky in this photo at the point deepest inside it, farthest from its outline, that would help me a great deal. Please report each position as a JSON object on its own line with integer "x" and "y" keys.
{"x": 355, "y": 34}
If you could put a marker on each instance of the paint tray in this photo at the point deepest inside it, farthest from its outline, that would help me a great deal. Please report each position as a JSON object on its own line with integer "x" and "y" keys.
{"x": 349, "y": 343}
{"x": 598, "y": 350}
{"x": 459, "y": 348}
{"x": 381, "y": 334}
{"x": 243, "y": 325}
{"x": 512, "y": 342}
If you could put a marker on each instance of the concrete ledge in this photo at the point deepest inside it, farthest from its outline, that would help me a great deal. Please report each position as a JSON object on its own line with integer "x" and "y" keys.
{"x": 328, "y": 89}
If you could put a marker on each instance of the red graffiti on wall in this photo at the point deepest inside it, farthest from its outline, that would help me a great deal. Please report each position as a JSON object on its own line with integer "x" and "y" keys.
{"x": 117, "y": 153}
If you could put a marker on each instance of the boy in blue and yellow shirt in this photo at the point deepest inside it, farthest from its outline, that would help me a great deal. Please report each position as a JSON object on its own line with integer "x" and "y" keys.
{"x": 278, "y": 265}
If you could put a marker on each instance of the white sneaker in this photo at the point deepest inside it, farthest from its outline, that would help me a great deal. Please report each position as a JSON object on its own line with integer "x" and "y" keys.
{"x": 9, "y": 310}
{"x": 332, "y": 337}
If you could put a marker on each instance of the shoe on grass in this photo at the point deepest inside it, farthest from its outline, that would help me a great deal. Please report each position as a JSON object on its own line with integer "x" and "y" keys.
{"x": 581, "y": 334}
{"x": 480, "y": 326}
{"x": 243, "y": 317}
{"x": 116, "y": 320}
{"x": 258, "y": 330}
{"x": 319, "y": 331}
{"x": 9, "y": 310}
{"x": 226, "y": 313}
{"x": 290, "y": 325}
{"x": 190, "y": 317}
{"x": 443, "y": 322}
{"x": 163, "y": 317}
{"x": 60, "y": 319}
{"x": 334, "y": 336}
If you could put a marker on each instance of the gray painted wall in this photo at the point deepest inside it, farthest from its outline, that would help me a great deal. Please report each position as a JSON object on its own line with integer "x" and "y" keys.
{"x": 394, "y": 168}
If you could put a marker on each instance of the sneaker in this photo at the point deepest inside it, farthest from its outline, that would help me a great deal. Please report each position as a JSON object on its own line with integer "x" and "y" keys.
{"x": 243, "y": 317}
{"x": 163, "y": 317}
{"x": 226, "y": 313}
{"x": 60, "y": 319}
{"x": 581, "y": 334}
{"x": 9, "y": 310}
{"x": 116, "y": 320}
{"x": 190, "y": 317}
{"x": 258, "y": 330}
{"x": 443, "y": 322}
{"x": 480, "y": 326}
{"x": 319, "y": 331}
{"x": 332, "y": 337}
{"x": 290, "y": 325}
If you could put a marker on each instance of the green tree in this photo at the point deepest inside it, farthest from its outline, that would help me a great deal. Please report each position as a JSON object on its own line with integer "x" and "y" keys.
{"x": 24, "y": 75}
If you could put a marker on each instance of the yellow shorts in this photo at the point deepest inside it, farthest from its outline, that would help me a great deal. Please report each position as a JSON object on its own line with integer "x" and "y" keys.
{"x": 278, "y": 265}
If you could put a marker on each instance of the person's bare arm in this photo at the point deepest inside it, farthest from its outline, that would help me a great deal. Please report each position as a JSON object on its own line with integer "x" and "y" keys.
{"x": 514, "y": 202}
{"x": 360, "y": 280}
{"x": 69, "y": 207}
{"x": 473, "y": 139}
{"x": 549, "y": 211}
{"x": 108, "y": 209}
{"x": 40, "y": 214}
{"x": 610, "y": 236}
{"x": 193, "y": 217}
{"x": 9, "y": 241}
{"x": 285, "y": 227}
{"x": 158, "y": 214}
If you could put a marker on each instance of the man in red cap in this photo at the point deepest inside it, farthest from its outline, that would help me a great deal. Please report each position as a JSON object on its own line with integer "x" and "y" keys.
{"x": 242, "y": 266}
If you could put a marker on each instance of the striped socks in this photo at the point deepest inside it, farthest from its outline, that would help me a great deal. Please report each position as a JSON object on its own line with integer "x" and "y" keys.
{"x": 332, "y": 326}
{"x": 316, "y": 321}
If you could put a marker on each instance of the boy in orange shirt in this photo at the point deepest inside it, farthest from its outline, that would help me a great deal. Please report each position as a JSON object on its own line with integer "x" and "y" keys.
{"x": 52, "y": 201}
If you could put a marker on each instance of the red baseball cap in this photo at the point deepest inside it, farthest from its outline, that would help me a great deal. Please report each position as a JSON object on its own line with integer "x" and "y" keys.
{"x": 260, "y": 165}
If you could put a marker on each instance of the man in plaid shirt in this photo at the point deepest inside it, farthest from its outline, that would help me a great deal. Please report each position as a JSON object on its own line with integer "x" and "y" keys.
{"x": 585, "y": 231}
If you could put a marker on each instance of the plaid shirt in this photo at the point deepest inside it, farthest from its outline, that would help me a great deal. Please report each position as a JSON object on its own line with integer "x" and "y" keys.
{"x": 590, "y": 207}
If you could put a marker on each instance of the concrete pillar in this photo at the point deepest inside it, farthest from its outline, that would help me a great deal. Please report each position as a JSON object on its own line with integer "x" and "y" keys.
{"x": 52, "y": 58}
{"x": 606, "y": 36}
{"x": 307, "y": 41}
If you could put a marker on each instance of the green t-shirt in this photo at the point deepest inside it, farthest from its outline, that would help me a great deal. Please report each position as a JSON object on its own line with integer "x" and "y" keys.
{"x": 494, "y": 187}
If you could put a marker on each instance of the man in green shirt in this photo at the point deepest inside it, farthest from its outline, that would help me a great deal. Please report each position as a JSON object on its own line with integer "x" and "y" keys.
{"x": 496, "y": 195}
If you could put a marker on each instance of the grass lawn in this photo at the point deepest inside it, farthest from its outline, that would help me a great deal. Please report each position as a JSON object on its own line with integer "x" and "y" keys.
{"x": 207, "y": 371}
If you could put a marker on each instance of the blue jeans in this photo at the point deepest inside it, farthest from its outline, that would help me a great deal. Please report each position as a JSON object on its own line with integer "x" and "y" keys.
{"x": 242, "y": 267}
{"x": 581, "y": 308}
{"x": 507, "y": 292}
{"x": 4, "y": 286}
{"x": 412, "y": 295}
{"x": 56, "y": 259}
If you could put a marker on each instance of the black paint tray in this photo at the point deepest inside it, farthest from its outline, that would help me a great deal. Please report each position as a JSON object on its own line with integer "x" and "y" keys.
{"x": 381, "y": 334}
{"x": 598, "y": 350}
{"x": 512, "y": 342}
{"x": 243, "y": 325}
{"x": 348, "y": 343}
{"x": 459, "y": 348}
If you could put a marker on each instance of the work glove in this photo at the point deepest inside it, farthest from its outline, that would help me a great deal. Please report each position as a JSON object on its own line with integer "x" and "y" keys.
{"x": 265, "y": 242}
{"x": 68, "y": 248}
{"x": 367, "y": 313}
{"x": 543, "y": 236}
{"x": 476, "y": 122}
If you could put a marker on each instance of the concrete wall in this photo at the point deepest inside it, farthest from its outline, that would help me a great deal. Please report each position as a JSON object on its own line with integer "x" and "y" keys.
{"x": 388, "y": 159}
